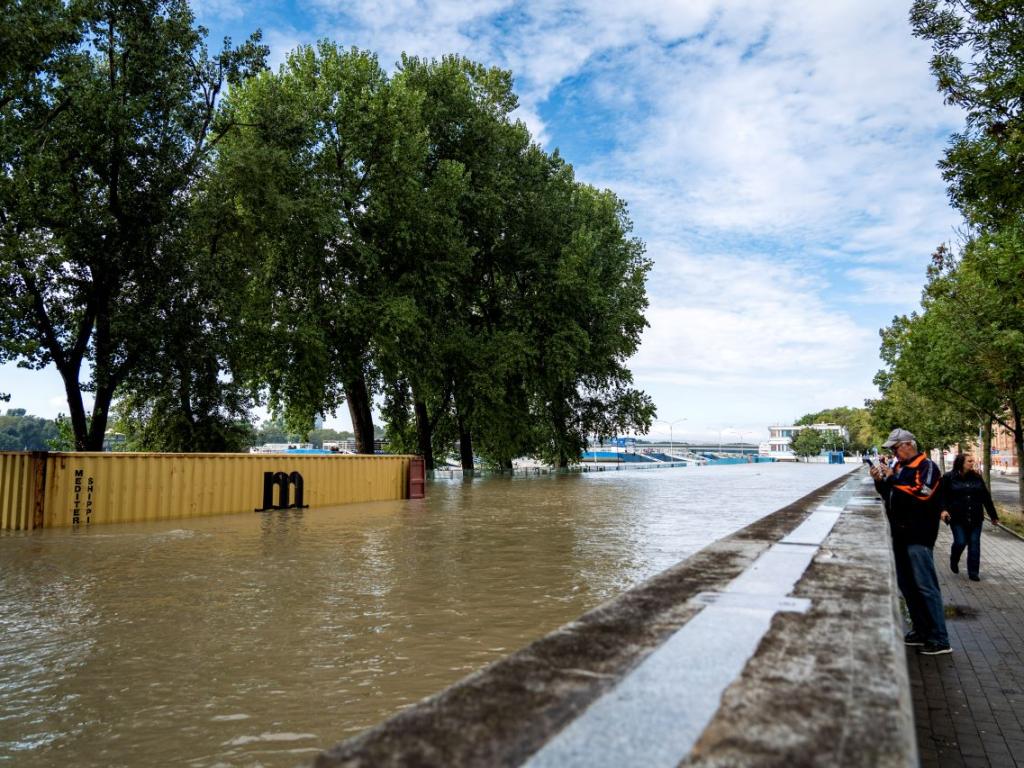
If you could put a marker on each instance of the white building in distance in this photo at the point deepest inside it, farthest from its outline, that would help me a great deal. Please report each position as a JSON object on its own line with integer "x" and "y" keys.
{"x": 780, "y": 439}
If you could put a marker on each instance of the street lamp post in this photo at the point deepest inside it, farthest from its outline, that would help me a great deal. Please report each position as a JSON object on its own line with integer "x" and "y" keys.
{"x": 671, "y": 441}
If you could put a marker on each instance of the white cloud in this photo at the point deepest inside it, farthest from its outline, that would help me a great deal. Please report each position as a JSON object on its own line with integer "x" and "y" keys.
{"x": 729, "y": 320}
{"x": 219, "y": 9}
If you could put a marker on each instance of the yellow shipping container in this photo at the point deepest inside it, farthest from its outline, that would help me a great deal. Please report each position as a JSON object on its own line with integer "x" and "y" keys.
{"x": 66, "y": 489}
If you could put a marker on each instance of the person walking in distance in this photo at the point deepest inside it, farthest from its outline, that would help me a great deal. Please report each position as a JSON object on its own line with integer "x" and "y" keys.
{"x": 965, "y": 499}
{"x": 911, "y": 490}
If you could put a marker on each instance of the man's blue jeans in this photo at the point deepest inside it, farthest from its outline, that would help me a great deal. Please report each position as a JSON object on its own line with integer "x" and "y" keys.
{"x": 927, "y": 584}
{"x": 968, "y": 536}
{"x": 919, "y": 620}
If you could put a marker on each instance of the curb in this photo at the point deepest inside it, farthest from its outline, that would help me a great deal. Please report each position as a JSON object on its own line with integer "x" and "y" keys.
{"x": 1008, "y": 530}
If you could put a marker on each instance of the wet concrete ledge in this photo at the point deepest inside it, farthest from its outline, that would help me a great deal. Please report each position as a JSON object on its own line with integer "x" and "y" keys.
{"x": 824, "y": 687}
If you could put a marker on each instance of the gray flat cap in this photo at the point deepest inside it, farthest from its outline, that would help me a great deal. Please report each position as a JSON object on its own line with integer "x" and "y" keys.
{"x": 899, "y": 436}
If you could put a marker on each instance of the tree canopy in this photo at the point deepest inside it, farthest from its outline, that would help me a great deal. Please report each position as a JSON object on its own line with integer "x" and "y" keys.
{"x": 106, "y": 126}
{"x": 858, "y": 422}
{"x": 808, "y": 442}
{"x": 327, "y": 234}
{"x": 20, "y": 432}
{"x": 957, "y": 366}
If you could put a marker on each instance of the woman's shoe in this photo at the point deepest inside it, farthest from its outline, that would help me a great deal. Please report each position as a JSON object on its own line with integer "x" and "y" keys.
{"x": 954, "y": 566}
{"x": 974, "y": 577}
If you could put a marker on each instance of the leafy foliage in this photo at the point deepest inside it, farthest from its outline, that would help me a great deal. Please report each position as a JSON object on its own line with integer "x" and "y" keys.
{"x": 324, "y": 234}
{"x": 808, "y": 442}
{"x": 857, "y": 421}
{"x": 19, "y": 432}
{"x": 104, "y": 132}
{"x": 410, "y": 240}
{"x": 959, "y": 364}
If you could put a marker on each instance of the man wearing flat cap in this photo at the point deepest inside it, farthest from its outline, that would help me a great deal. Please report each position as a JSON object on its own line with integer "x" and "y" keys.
{"x": 910, "y": 488}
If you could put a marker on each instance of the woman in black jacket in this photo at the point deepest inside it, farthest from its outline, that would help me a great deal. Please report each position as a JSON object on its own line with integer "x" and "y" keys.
{"x": 964, "y": 501}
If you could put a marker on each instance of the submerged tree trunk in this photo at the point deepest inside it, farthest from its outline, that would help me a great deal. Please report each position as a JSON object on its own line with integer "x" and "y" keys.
{"x": 465, "y": 446}
{"x": 424, "y": 433}
{"x": 358, "y": 397}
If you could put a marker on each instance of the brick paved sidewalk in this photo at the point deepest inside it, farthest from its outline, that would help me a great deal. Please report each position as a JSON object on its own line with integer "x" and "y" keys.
{"x": 969, "y": 706}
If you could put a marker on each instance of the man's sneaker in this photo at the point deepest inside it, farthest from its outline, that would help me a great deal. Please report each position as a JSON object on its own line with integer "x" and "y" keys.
{"x": 934, "y": 649}
{"x": 912, "y": 638}
{"x": 974, "y": 577}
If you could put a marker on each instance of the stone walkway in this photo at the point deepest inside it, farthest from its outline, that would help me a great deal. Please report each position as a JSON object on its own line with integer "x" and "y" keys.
{"x": 969, "y": 706}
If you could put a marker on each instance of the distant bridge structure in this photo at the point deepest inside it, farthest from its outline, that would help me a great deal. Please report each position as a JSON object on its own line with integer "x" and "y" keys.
{"x": 670, "y": 451}
{"x": 663, "y": 446}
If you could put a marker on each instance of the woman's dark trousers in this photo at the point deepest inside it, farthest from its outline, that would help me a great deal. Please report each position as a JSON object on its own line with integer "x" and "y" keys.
{"x": 969, "y": 537}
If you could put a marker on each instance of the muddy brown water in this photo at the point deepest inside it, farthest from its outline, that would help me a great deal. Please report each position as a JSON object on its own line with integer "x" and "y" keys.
{"x": 260, "y": 639}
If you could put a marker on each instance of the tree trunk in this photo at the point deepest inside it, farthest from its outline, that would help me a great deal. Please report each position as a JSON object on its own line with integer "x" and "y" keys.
{"x": 100, "y": 413}
{"x": 424, "y": 433}
{"x": 986, "y": 449}
{"x": 79, "y": 423}
{"x": 1018, "y": 443}
{"x": 465, "y": 446}
{"x": 359, "y": 409}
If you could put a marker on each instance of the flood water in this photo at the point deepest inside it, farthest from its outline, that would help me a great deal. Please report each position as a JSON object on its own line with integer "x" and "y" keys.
{"x": 259, "y": 639}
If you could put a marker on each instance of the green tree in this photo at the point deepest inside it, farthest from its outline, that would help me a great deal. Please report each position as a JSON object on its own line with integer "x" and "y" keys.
{"x": 275, "y": 430}
{"x": 65, "y": 438}
{"x": 808, "y": 442}
{"x": 913, "y": 398}
{"x": 325, "y": 160}
{"x": 857, "y": 421}
{"x": 530, "y": 295}
{"x": 962, "y": 356}
{"x": 154, "y": 423}
{"x": 458, "y": 352}
{"x": 103, "y": 136}
{"x": 985, "y": 295}
{"x": 20, "y": 432}
{"x": 978, "y": 61}
{"x": 585, "y": 324}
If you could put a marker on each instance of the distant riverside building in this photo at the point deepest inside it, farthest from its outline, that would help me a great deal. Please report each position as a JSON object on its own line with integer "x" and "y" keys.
{"x": 113, "y": 441}
{"x": 780, "y": 438}
{"x": 1004, "y": 453}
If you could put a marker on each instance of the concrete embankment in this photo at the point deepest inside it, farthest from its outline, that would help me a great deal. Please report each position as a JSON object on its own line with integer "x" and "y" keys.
{"x": 780, "y": 644}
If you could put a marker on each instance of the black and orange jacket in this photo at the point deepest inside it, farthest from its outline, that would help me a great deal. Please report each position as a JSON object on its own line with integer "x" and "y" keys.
{"x": 913, "y": 500}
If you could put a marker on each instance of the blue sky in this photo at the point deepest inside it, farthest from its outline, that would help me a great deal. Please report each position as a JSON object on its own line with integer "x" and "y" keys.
{"x": 778, "y": 158}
